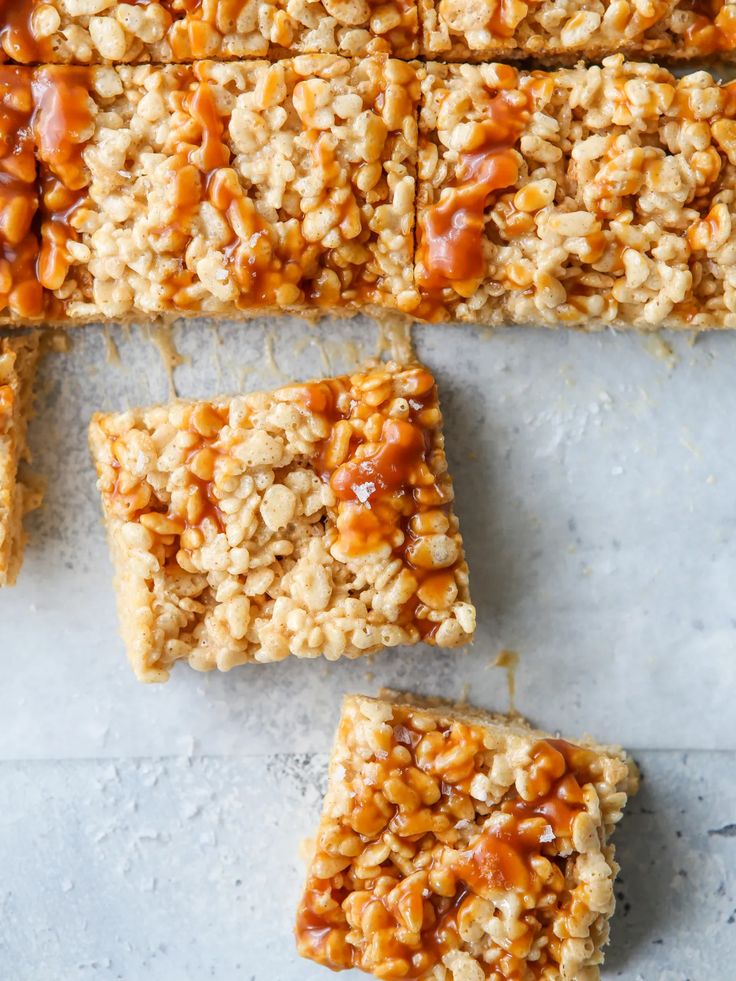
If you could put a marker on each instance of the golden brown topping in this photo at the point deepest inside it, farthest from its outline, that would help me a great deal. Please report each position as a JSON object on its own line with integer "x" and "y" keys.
{"x": 450, "y": 244}
{"x": 62, "y": 121}
{"x": 412, "y": 866}
{"x": 503, "y": 857}
{"x": 377, "y": 460}
{"x": 62, "y": 126}
{"x": 18, "y": 39}
{"x": 20, "y": 292}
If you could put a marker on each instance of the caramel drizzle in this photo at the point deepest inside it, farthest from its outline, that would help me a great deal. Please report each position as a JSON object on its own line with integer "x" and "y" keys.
{"x": 61, "y": 119}
{"x": 376, "y": 490}
{"x": 450, "y": 240}
{"x": 379, "y": 494}
{"x": 20, "y": 291}
{"x": 17, "y": 39}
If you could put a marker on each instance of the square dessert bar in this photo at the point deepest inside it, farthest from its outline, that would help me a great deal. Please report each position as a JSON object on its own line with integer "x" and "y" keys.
{"x": 314, "y": 520}
{"x": 584, "y": 196}
{"x": 82, "y": 32}
{"x": 227, "y": 188}
{"x": 460, "y": 846}
{"x": 18, "y": 357}
{"x": 476, "y": 30}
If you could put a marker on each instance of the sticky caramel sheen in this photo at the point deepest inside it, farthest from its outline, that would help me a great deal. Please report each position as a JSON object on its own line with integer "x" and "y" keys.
{"x": 17, "y": 39}
{"x": 450, "y": 244}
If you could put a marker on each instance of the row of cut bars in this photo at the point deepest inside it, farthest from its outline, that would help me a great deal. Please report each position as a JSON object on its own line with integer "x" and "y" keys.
{"x": 601, "y": 195}
{"x": 104, "y": 31}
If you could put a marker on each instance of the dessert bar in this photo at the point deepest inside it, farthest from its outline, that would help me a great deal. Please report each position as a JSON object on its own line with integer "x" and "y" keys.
{"x": 313, "y": 520}
{"x": 480, "y": 30}
{"x": 459, "y": 846}
{"x": 584, "y": 196}
{"x": 227, "y": 188}
{"x": 18, "y": 357}
{"x": 103, "y": 31}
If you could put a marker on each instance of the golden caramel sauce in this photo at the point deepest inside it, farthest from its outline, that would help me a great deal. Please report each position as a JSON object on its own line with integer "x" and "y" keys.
{"x": 703, "y": 232}
{"x": 204, "y": 508}
{"x": 450, "y": 234}
{"x": 500, "y": 857}
{"x": 20, "y": 291}
{"x": 402, "y": 447}
{"x": 500, "y": 24}
{"x": 375, "y": 490}
{"x": 17, "y": 41}
{"x": 321, "y": 397}
{"x": 61, "y": 119}
{"x": 314, "y": 932}
{"x": 203, "y": 109}
{"x": 62, "y": 122}
{"x": 509, "y": 661}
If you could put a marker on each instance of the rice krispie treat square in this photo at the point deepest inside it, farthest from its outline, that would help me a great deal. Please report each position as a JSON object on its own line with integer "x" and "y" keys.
{"x": 18, "y": 496}
{"x": 460, "y": 846}
{"x": 21, "y": 295}
{"x": 477, "y": 30}
{"x": 228, "y": 189}
{"x": 313, "y": 520}
{"x": 585, "y": 196}
{"x": 83, "y": 32}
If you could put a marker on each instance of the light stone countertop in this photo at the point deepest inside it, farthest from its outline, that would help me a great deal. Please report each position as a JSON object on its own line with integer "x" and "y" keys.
{"x": 152, "y": 833}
